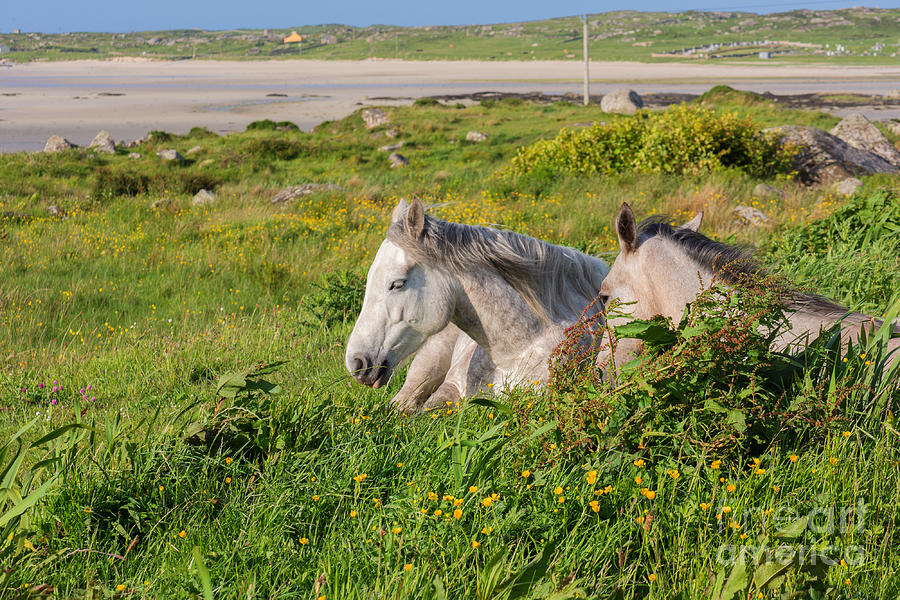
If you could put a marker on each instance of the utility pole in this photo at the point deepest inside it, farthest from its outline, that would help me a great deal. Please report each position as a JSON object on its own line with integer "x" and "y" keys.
{"x": 587, "y": 62}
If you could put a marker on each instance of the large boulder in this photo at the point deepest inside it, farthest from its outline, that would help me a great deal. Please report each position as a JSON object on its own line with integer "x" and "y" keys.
{"x": 476, "y": 136}
{"x": 825, "y": 159}
{"x": 374, "y": 117}
{"x": 305, "y": 189}
{"x": 748, "y": 215}
{"x": 848, "y": 186}
{"x": 103, "y": 142}
{"x": 57, "y": 143}
{"x": 621, "y": 102}
{"x": 860, "y": 133}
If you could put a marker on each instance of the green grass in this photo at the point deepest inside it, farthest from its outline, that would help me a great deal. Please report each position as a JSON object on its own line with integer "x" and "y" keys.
{"x": 146, "y": 305}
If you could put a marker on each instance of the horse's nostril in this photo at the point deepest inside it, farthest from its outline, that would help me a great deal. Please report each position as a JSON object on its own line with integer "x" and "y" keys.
{"x": 359, "y": 364}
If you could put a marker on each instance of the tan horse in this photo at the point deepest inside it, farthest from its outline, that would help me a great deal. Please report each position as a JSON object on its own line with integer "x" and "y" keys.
{"x": 662, "y": 268}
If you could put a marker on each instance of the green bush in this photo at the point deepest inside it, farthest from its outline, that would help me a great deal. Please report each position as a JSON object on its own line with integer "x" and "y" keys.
{"x": 110, "y": 182}
{"x": 337, "y": 297}
{"x": 270, "y": 125}
{"x": 426, "y": 101}
{"x": 682, "y": 140}
{"x": 272, "y": 148}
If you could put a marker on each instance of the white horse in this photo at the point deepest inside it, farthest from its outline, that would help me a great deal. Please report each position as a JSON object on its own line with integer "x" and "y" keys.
{"x": 661, "y": 269}
{"x": 484, "y": 306}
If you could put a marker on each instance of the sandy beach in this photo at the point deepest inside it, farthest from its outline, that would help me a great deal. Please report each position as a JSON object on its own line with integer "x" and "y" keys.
{"x": 128, "y": 98}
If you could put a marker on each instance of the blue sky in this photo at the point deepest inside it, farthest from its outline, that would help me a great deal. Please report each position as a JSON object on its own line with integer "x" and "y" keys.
{"x": 54, "y": 16}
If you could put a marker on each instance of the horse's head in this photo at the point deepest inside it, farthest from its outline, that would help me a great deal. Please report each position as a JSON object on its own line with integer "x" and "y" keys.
{"x": 406, "y": 301}
{"x": 649, "y": 277}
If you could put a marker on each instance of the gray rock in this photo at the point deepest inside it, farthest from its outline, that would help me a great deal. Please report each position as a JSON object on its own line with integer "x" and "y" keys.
{"x": 57, "y": 143}
{"x": 160, "y": 203}
{"x": 55, "y": 211}
{"x": 194, "y": 150}
{"x": 170, "y": 154}
{"x": 104, "y": 143}
{"x": 391, "y": 147}
{"x": 374, "y": 117}
{"x": 825, "y": 159}
{"x": 848, "y": 186}
{"x": 751, "y": 216}
{"x": 764, "y": 190}
{"x": 305, "y": 189}
{"x": 860, "y": 133}
{"x": 398, "y": 160}
{"x": 476, "y": 136}
{"x": 134, "y": 155}
{"x": 391, "y": 133}
{"x": 203, "y": 198}
{"x": 622, "y": 101}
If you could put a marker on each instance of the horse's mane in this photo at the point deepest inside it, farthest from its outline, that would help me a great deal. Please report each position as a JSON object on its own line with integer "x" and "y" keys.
{"x": 731, "y": 264}
{"x": 557, "y": 282}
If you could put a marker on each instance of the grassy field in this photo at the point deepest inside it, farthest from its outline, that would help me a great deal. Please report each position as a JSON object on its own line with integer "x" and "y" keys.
{"x": 181, "y": 423}
{"x": 845, "y": 36}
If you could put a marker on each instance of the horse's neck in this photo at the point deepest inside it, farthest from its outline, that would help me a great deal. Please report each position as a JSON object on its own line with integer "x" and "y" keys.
{"x": 806, "y": 325}
{"x": 492, "y": 313}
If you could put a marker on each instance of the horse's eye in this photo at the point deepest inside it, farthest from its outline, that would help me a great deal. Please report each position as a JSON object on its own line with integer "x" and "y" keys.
{"x": 397, "y": 285}
{"x": 604, "y": 298}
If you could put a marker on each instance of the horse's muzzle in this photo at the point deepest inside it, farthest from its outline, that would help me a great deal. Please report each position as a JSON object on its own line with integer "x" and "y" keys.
{"x": 366, "y": 372}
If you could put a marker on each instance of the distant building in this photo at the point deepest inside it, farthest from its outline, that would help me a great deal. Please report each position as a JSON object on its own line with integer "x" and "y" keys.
{"x": 4, "y": 49}
{"x": 765, "y": 55}
{"x": 17, "y": 31}
{"x": 329, "y": 39}
{"x": 294, "y": 38}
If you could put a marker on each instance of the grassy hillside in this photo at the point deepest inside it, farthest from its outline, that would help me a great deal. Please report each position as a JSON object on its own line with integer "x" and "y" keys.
{"x": 845, "y": 36}
{"x": 148, "y": 469}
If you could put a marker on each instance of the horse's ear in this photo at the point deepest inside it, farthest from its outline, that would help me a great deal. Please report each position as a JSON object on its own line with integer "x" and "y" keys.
{"x": 399, "y": 210}
{"x": 626, "y": 228}
{"x": 694, "y": 224}
{"x": 415, "y": 219}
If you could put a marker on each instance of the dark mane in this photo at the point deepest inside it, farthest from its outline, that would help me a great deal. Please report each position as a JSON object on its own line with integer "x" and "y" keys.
{"x": 731, "y": 264}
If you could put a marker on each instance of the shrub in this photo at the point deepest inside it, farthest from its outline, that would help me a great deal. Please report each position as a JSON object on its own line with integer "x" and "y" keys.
{"x": 201, "y": 132}
{"x": 336, "y": 298}
{"x": 270, "y": 125}
{"x": 110, "y": 182}
{"x": 272, "y": 148}
{"x": 682, "y": 140}
{"x": 426, "y": 101}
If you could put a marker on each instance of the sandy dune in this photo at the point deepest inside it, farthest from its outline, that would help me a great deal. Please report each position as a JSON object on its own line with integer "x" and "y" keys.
{"x": 128, "y": 98}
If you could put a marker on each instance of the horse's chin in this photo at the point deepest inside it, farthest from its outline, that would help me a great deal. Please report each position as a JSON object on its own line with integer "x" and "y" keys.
{"x": 384, "y": 375}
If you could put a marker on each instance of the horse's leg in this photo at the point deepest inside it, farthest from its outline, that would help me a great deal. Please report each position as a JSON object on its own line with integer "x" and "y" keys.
{"x": 427, "y": 371}
{"x": 470, "y": 372}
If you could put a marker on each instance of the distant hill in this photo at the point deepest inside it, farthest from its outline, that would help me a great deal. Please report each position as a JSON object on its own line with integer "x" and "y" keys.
{"x": 857, "y": 35}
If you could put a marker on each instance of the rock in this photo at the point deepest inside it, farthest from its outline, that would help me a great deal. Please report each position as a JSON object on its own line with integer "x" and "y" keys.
{"x": 103, "y": 142}
{"x": 860, "y": 133}
{"x": 751, "y": 216}
{"x": 170, "y": 154}
{"x": 298, "y": 191}
{"x": 825, "y": 159}
{"x": 397, "y": 160}
{"x": 391, "y": 147}
{"x": 206, "y": 162}
{"x": 893, "y": 94}
{"x": 622, "y": 102}
{"x": 194, "y": 150}
{"x": 764, "y": 190}
{"x": 848, "y": 186}
{"x": 476, "y": 136}
{"x": 391, "y": 133}
{"x": 160, "y": 203}
{"x": 374, "y": 117}
{"x": 55, "y": 211}
{"x": 57, "y": 143}
{"x": 134, "y": 155}
{"x": 203, "y": 198}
